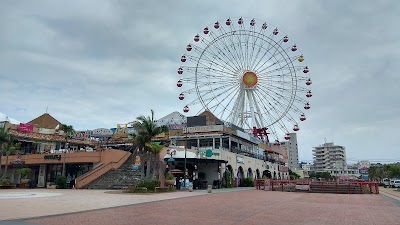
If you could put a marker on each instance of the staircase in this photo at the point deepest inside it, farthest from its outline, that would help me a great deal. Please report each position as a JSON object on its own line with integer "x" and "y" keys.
{"x": 119, "y": 178}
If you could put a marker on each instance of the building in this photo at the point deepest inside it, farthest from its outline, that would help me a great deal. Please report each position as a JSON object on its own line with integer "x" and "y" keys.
{"x": 331, "y": 158}
{"x": 212, "y": 148}
{"x": 293, "y": 152}
{"x": 44, "y": 150}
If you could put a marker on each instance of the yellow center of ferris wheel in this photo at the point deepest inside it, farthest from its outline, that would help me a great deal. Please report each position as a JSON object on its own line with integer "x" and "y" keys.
{"x": 250, "y": 79}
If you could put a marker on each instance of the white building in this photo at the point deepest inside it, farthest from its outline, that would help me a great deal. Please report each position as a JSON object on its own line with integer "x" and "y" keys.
{"x": 329, "y": 156}
{"x": 293, "y": 152}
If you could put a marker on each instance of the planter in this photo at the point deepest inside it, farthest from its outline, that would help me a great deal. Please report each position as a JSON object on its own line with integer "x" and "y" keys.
{"x": 170, "y": 182}
{"x": 25, "y": 181}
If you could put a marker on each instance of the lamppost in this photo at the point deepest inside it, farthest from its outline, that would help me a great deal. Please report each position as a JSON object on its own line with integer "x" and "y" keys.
{"x": 185, "y": 172}
{"x": 65, "y": 152}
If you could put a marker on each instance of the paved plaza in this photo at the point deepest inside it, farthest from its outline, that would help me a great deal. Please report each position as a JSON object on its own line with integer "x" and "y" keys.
{"x": 226, "y": 206}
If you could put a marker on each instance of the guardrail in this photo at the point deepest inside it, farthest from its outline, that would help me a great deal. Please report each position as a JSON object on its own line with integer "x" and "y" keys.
{"x": 90, "y": 176}
{"x": 349, "y": 187}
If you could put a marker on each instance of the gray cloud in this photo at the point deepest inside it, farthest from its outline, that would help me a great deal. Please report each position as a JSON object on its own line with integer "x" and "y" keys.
{"x": 96, "y": 64}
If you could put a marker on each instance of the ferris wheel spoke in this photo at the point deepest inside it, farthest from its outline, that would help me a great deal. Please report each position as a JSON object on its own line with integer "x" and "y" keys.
{"x": 218, "y": 103}
{"x": 260, "y": 47}
{"x": 225, "y": 52}
{"x": 278, "y": 50}
{"x": 288, "y": 63}
{"x": 217, "y": 40}
{"x": 205, "y": 62}
{"x": 212, "y": 57}
{"x": 270, "y": 99}
{"x": 227, "y": 106}
{"x": 271, "y": 44}
{"x": 236, "y": 34}
{"x": 278, "y": 62}
{"x": 234, "y": 57}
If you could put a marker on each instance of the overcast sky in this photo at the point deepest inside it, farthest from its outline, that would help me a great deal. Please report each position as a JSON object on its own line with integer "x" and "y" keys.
{"x": 98, "y": 63}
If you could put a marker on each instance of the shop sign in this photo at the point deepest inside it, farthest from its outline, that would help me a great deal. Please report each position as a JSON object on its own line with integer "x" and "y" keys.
{"x": 204, "y": 128}
{"x": 208, "y": 153}
{"x": 27, "y": 128}
{"x": 177, "y": 126}
{"x": 52, "y": 157}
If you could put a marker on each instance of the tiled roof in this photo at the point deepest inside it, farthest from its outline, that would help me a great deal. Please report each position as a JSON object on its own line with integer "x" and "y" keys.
{"x": 45, "y": 121}
{"x": 47, "y": 137}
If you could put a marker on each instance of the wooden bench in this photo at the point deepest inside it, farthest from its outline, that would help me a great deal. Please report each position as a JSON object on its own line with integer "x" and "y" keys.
{"x": 7, "y": 186}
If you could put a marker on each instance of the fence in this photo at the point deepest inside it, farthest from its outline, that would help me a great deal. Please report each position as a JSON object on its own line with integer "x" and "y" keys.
{"x": 349, "y": 187}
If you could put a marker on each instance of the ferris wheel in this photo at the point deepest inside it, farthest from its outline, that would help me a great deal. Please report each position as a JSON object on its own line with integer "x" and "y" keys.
{"x": 247, "y": 73}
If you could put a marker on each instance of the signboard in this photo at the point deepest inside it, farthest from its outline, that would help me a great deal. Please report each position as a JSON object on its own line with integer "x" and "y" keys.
{"x": 204, "y": 129}
{"x": 27, "y": 128}
{"x": 208, "y": 153}
{"x": 363, "y": 171}
{"x": 177, "y": 126}
{"x": 52, "y": 157}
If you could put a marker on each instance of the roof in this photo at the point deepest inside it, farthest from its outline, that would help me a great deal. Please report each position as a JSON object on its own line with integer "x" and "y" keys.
{"x": 45, "y": 121}
{"x": 47, "y": 137}
{"x": 4, "y": 118}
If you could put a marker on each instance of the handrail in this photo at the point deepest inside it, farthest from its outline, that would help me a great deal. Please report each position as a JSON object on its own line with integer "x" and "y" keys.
{"x": 99, "y": 171}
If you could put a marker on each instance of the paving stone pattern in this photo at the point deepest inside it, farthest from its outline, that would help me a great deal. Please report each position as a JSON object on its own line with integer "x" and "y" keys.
{"x": 246, "y": 207}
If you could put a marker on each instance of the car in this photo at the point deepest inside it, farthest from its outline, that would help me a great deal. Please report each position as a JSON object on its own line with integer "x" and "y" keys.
{"x": 396, "y": 183}
{"x": 386, "y": 182}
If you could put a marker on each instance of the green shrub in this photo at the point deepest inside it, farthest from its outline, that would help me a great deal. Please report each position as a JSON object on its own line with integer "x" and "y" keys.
{"x": 25, "y": 172}
{"x": 149, "y": 184}
{"x": 6, "y": 182}
{"x": 61, "y": 182}
{"x": 169, "y": 176}
{"x": 247, "y": 182}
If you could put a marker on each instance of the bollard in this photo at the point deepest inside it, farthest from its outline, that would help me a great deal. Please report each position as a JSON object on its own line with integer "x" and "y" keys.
{"x": 209, "y": 189}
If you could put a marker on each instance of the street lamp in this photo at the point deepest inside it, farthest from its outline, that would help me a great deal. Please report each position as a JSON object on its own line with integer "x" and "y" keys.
{"x": 185, "y": 173}
{"x": 65, "y": 152}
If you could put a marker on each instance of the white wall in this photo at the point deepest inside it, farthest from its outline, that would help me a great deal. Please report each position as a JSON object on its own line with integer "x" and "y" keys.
{"x": 248, "y": 162}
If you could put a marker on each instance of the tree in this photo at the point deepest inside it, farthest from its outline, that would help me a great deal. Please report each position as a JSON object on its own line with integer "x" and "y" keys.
{"x": 3, "y": 139}
{"x": 293, "y": 175}
{"x": 146, "y": 129}
{"x": 67, "y": 129}
{"x": 10, "y": 147}
{"x": 155, "y": 149}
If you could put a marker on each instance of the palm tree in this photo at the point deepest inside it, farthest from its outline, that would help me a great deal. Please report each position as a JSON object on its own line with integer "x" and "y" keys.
{"x": 10, "y": 147}
{"x": 146, "y": 129}
{"x": 155, "y": 148}
{"x": 3, "y": 139}
{"x": 67, "y": 129}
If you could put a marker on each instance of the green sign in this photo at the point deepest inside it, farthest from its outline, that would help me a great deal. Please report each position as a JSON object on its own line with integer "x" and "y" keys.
{"x": 52, "y": 157}
{"x": 208, "y": 153}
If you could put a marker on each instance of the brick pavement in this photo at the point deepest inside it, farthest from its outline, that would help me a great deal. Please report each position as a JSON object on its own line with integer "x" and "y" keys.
{"x": 246, "y": 207}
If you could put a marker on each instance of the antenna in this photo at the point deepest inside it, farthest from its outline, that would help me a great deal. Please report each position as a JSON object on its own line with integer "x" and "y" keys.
{"x": 47, "y": 108}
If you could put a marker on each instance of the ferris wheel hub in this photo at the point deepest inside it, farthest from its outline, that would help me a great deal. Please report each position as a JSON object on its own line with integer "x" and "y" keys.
{"x": 250, "y": 79}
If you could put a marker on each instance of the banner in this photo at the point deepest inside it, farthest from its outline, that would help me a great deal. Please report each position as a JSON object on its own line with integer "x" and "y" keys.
{"x": 27, "y": 128}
